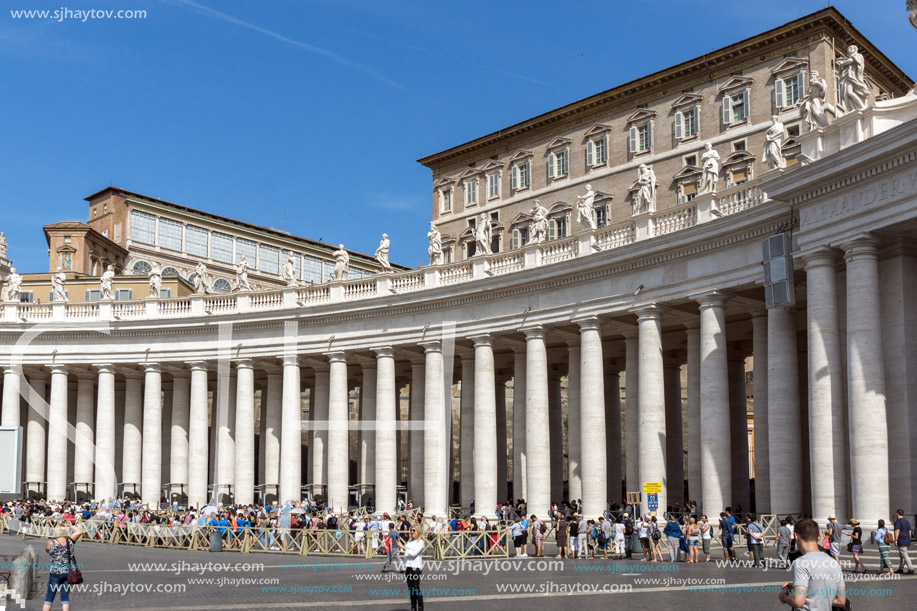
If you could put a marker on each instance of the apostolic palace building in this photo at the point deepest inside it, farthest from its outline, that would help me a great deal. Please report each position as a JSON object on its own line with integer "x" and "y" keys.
{"x": 696, "y": 285}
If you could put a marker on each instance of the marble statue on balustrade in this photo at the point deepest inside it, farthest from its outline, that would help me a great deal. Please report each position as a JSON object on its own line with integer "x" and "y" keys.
{"x": 436, "y": 245}
{"x": 852, "y": 89}
{"x": 3, "y": 246}
{"x": 710, "y": 162}
{"x": 585, "y": 207}
{"x": 242, "y": 283}
{"x": 645, "y": 200}
{"x": 155, "y": 276}
{"x": 538, "y": 228}
{"x": 341, "y": 263}
{"x": 289, "y": 271}
{"x": 815, "y": 106}
{"x": 58, "y": 292}
{"x": 382, "y": 253}
{"x": 774, "y": 139}
{"x": 106, "y": 281}
{"x": 483, "y": 235}
{"x": 13, "y": 285}
{"x": 200, "y": 279}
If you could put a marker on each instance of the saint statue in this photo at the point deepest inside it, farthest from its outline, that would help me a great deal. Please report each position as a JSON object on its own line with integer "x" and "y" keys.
{"x": 774, "y": 139}
{"x": 538, "y": 228}
{"x": 341, "y": 263}
{"x": 852, "y": 90}
{"x": 13, "y": 285}
{"x": 242, "y": 283}
{"x": 289, "y": 271}
{"x": 585, "y": 208}
{"x": 382, "y": 253}
{"x": 646, "y": 190}
{"x": 155, "y": 280}
{"x": 58, "y": 293}
{"x": 711, "y": 166}
{"x": 200, "y": 279}
{"x": 436, "y": 245}
{"x": 483, "y": 235}
{"x": 814, "y": 104}
{"x": 106, "y": 282}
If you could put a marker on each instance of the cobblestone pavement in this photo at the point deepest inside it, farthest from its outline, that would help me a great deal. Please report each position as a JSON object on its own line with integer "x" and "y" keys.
{"x": 123, "y": 577}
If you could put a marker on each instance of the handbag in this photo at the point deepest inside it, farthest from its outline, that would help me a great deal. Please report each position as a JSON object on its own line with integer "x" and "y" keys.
{"x": 74, "y": 575}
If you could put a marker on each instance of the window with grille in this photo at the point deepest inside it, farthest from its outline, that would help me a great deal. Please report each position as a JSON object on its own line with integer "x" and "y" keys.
{"x": 221, "y": 285}
{"x": 170, "y": 271}
{"x": 124, "y": 294}
{"x": 558, "y": 163}
{"x": 493, "y": 185}
{"x": 735, "y": 108}
{"x": 221, "y": 247}
{"x": 522, "y": 175}
{"x": 141, "y": 268}
{"x": 597, "y": 152}
{"x": 196, "y": 240}
{"x": 471, "y": 192}
{"x": 788, "y": 91}
{"x": 641, "y": 138}
{"x": 269, "y": 259}
{"x": 170, "y": 234}
{"x": 248, "y": 249}
{"x": 445, "y": 200}
{"x": 312, "y": 269}
{"x": 143, "y": 227}
{"x": 686, "y": 124}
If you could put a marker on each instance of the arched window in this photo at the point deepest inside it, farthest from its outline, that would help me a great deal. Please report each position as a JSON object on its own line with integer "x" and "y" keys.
{"x": 170, "y": 271}
{"x": 141, "y": 268}
{"x": 192, "y": 277}
{"x": 221, "y": 285}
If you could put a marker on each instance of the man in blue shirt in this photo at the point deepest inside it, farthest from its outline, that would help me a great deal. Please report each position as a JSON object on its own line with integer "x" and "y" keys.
{"x": 903, "y": 541}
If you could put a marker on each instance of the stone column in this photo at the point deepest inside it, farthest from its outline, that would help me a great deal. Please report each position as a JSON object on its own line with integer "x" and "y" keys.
{"x": 272, "y": 429}
{"x": 181, "y": 409}
{"x": 57, "y": 435}
{"x": 369, "y": 457}
{"x": 738, "y": 427}
{"x": 133, "y": 431}
{"x": 84, "y": 456}
{"x": 784, "y": 437}
{"x": 716, "y": 468}
{"x": 485, "y": 427}
{"x": 151, "y": 460}
{"x": 695, "y": 483}
{"x": 866, "y": 384}
{"x": 291, "y": 432}
{"x": 592, "y": 418}
{"x": 500, "y": 397}
{"x": 762, "y": 445}
{"x": 11, "y": 385}
{"x": 338, "y": 446}
{"x": 105, "y": 475}
{"x": 36, "y": 434}
{"x": 416, "y": 412}
{"x": 245, "y": 433}
{"x": 632, "y": 412}
{"x": 385, "y": 418}
{"x": 826, "y": 388}
{"x": 613, "y": 434}
{"x": 519, "y": 467}
{"x": 651, "y": 401}
{"x": 198, "y": 451}
{"x": 261, "y": 411}
{"x": 320, "y": 432}
{"x": 165, "y": 433}
{"x": 538, "y": 456}
{"x": 574, "y": 442}
{"x": 225, "y": 426}
{"x": 556, "y": 434}
{"x": 466, "y": 433}
{"x": 436, "y": 464}
{"x": 674, "y": 435}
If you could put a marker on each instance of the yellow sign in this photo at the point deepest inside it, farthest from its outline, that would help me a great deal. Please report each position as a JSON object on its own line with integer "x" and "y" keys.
{"x": 652, "y": 487}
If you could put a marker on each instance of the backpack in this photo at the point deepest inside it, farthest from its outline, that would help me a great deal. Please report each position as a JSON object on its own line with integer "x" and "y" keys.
{"x": 628, "y": 527}
{"x": 544, "y": 528}
{"x": 889, "y": 537}
{"x": 655, "y": 533}
{"x": 601, "y": 538}
{"x": 332, "y": 522}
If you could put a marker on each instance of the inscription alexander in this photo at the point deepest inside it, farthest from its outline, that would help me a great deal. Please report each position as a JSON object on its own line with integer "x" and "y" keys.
{"x": 890, "y": 188}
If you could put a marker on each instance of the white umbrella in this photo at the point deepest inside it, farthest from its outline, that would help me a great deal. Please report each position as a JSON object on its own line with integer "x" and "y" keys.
{"x": 298, "y": 510}
{"x": 209, "y": 509}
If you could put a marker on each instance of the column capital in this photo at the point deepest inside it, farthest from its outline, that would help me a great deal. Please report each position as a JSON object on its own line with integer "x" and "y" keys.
{"x": 57, "y": 369}
{"x": 631, "y": 334}
{"x": 820, "y": 256}
{"x": 588, "y": 323}
{"x": 759, "y": 313}
{"x": 692, "y": 325}
{"x": 104, "y": 368}
{"x": 244, "y": 363}
{"x": 289, "y": 360}
{"x": 649, "y": 311}
{"x": 198, "y": 365}
{"x": 708, "y": 299}
{"x": 152, "y": 368}
{"x": 534, "y": 332}
{"x": 381, "y": 352}
{"x": 335, "y": 356}
{"x": 863, "y": 246}
{"x": 482, "y": 339}
{"x": 431, "y": 345}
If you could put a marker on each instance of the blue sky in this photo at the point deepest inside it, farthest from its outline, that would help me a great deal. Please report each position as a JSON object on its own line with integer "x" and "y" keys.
{"x": 309, "y": 116}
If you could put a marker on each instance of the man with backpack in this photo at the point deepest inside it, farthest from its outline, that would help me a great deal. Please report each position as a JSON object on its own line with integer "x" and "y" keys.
{"x": 628, "y": 537}
{"x": 604, "y": 537}
{"x": 726, "y": 531}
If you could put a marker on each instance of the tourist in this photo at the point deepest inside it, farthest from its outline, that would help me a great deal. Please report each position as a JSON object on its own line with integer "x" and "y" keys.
{"x": 539, "y": 529}
{"x": 692, "y": 532}
{"x": 60, "y": 549}
{"x": 755, "y": 533}
{"x": 726, "y": 537}
{"x": 413, "y": 566}
{"x": 884, "y": 538}
{"x": 856, "y": 545}
{"x": 581, "y": 535}
{"x": 560, "y": 535}
{"x": 605, "y": 536}
{"x": 655, "y": 540}
{"x": 518, "y": 540}
{"x": 903, "y": 541}
{"x": 833, "y": 533}
{"x": 818, "y": 582}
{"x": 390, "y": 544}
{"x": 782, "y": 543}
{"x": 673, "y": 538}
{"x": 706, "y": 536}
{"x": 643, "y": 533}
{"x": 573, "y": 531}
{"x": 628, "y": 537}
{"x": 620, "y": 542}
